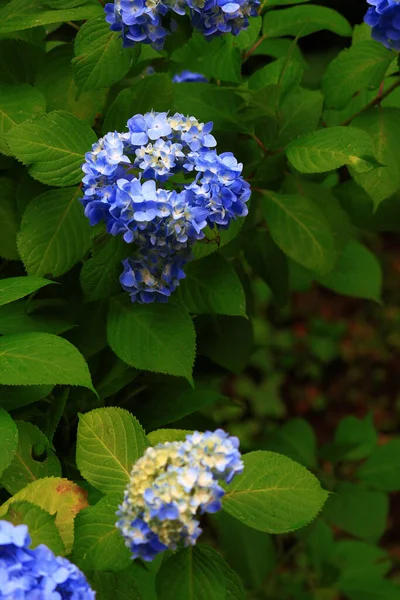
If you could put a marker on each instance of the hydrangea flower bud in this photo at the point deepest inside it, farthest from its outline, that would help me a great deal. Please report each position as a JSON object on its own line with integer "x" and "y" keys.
{"x": 123, "y": 186}
{"x": 384, "y": 18}
{"x": 170, "y": 486}
{"x": 37, "y": 573}
{"x": 189, "y": 77}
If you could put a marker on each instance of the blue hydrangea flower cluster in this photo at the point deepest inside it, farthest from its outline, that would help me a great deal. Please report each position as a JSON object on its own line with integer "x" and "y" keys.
{"x": 144, "y": 21}
{"x": 171, "y": 486}
{"x": 131, "y": 185}
{"x": 36, "y": 574}
{"x": 384, "y": 18}
{"x": 189, "y": 77}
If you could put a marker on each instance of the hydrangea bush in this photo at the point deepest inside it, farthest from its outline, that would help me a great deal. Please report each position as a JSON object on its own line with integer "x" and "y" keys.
{"x": 173, "y": 175}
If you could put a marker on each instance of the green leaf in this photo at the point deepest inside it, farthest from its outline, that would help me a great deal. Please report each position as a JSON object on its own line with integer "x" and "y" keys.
{"x": 98, "y": 544}
{"x": 119, "y": 586}
{"x": 232, "y": 341}
{"x": 39, "y": 358}
{"x": 300, "y": 230}
{"x": 25, "y": 467}
{"x": 328, "y": 149}
{"x": 382, "y": 469}
{"x": 14, "y": 288}
{"x": 9, "y": 220}
{"x": 19, "y": 61}
{"x": 57, "y": 496}
{"x": 169, "y": 403}
{"x": 267, "y": 4}
{"x": 299, "y": 113}
{"x": 55, "y": 234}
{"x": 140, "y": 98}
{"x": 214, "y": 240}
{"x": 300, "y": 21}
{"x": 209, "y": 102}
{"x": 218, "y": 59}
{"x": 354, "y": 69}
{"x": 249, "y": 552}
{"x": 100, "y": 59}
{"x": 24, "y": 14}
{"x": 248, "y": 36}
{"x": 192, "y": 574}
{"x": 153, "y": 337}
{"x": 33, "y": 316}
{"x": 274, "y": 494}
{"x": 269, "y": 262}
{"x": 55, "y": 81}
{"x": 16, "y": 396}
{"x": 354, "y": 439}
{"x": 100, "y": 274}
{"x": 297, "y": 440}
{"x": 160, "y": 436}
{"x": 8, "y": 440}
{"x": 41, "y": 525}
{"x": 212, "y": 286}
{"x": 384, "y": 128}
{"x": 18, "y": 102}
{"x": 357, "y": 273}
{"x": 110, "y": 441}
{"x": 361, "y": 512}
{"x": 54, "y": 146}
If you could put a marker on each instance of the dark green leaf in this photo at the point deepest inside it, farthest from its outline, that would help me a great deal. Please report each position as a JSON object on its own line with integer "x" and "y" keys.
{"x": 382, "y": 469}
{"x": 8, "y": 440}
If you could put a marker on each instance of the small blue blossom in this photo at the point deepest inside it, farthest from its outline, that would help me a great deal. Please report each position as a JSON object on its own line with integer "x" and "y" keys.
{"x": 189, "y": 77}
{"x": 384, "y": 18}
{"x": 171, "y": 486}
{"x": 123, "y": 187}
{"x": 38, "y": 573}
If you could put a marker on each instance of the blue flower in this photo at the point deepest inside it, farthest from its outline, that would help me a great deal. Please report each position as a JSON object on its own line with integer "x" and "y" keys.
{"x": 171, "y": 486}
{"x": 188, "y": 76}
{"x": 143, "y": 20}
{"x": 384, "y": 18}
{"x": 123, "y": 187}
{"x": 37, "y": 573}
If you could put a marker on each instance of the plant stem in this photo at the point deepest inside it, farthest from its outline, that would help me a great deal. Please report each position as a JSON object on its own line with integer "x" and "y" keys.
{"x": 74, "y": 25}
{"x": 375, "y": 101}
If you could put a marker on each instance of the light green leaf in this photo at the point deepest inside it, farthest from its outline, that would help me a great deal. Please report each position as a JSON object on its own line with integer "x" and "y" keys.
{"x": 384, "y": 128}
{"x": 354, "y": 69}
{"x": 274, "y": 493}
{"x": 54, "y": 146}
{"x": 153, "y": 337}
{"x": 14, "y": 288}
{"x": 382, "y": 469}
{"x": 55, "y": 81}
{"x": 57, "y": 496}
{"x": 41, "y": 525}
{"x": 118, "y": 586}
{"x": 212, "y": 286}
{"x": 357, "y": 273}
{"x": 358, "y": 511}
{"x": 98, "y": 544}
{"x": 100, "y": 274}
{"x": 24, "y": 14}
{"x": 160, "y": 436}
{"x": 18, "y": 102}
{"x": 24, "y": 467}
{"x": 300, "y": 21}
{"x": 192, "y": 574}
{"x": 38, "y": 358}
{"x": 55, "y": 234}
{"x": 110, "y": 441}
{"x": 100, "y": 59}
{"x": 300, "y": 229}
{"x": 8, "y": 440}
{"x": 328, "y": 149}
{"x": 9, "y": 220}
